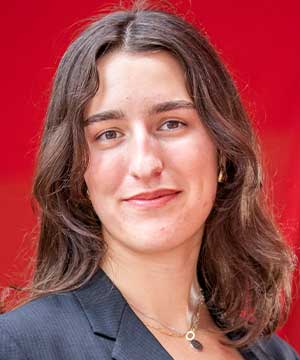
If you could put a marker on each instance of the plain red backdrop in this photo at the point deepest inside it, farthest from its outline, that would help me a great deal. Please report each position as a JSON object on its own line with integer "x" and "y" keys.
{"x": 259, "y": 42}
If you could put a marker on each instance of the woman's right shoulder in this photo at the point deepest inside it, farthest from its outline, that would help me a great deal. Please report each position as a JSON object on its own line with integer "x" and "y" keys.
{"x": 41, "y": 310}
{"x": 36, "y": 322}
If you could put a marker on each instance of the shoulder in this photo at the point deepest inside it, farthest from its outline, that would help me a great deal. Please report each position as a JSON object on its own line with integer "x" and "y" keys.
{"x": 40, "y": 312}
{"x": 38, "y": 324}
{"x": 276, "y": 348}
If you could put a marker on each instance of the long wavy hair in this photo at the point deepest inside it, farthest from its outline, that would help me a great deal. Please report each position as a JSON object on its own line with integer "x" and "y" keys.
{"x": 244, "y": 266}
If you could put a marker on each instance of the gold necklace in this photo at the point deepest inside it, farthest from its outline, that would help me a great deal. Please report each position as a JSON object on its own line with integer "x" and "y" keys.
{"x": 189, "y": 335}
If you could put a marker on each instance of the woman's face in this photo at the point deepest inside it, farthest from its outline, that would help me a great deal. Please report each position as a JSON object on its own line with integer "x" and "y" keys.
{"x": 144, "y": 135}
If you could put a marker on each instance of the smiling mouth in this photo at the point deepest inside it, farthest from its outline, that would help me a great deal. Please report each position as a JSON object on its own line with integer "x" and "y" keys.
{"x": 156, "y": 202}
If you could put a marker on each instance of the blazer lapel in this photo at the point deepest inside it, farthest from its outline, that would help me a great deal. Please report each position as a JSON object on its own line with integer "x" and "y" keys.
{"x": 110, "y": 316}
{"x": 135, "y": 341}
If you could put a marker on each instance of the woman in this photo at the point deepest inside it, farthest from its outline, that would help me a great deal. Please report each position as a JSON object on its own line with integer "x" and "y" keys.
{"x": 154, "y": 239}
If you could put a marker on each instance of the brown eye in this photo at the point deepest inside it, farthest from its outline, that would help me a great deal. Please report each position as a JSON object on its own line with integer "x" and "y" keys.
{"x": 173, "y": 124}
{"x": 108, "y": 135}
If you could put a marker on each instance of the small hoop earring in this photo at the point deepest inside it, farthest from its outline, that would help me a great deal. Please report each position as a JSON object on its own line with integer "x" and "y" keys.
{"x": 220, "y": 177}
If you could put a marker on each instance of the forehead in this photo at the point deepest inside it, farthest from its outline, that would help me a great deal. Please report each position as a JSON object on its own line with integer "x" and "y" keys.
{"x": 136, "y": 79}
{"x": 119, "y": 60}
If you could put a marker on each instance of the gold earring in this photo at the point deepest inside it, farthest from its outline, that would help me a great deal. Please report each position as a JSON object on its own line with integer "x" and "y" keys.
{"x": 220, "y": 177}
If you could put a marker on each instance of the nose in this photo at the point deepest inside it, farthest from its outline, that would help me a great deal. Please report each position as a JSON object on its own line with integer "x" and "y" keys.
{"x": 145, "y": 157}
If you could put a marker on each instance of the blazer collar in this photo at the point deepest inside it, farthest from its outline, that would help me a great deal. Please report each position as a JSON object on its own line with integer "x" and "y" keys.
{"x": 110, "y": 315}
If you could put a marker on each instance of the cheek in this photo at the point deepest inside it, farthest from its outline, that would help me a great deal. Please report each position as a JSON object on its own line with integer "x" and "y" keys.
{"x": 104, "y": 174}
{"x": 197, "y": 163}
{"x": 196, "y": 158}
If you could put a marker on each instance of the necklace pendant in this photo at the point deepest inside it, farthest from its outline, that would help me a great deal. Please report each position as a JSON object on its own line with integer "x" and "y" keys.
{"x": 190, "y": 337}
{"x": 196, "y": 345}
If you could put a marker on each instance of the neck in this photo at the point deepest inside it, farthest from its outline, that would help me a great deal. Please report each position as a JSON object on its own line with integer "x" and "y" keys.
{"x": 163, "y": 286}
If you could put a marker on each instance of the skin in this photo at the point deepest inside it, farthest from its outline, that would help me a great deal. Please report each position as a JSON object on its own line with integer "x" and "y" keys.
{"x": 151, "y": 252}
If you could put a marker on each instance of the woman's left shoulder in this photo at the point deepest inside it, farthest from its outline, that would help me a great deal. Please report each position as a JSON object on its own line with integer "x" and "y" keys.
{"x": 276, "y": 348}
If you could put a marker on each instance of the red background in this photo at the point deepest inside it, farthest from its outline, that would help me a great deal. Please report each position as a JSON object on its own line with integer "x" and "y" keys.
{"x": 258, "y": 40}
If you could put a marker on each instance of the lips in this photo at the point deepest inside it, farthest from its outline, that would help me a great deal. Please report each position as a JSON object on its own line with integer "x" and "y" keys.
{"x": 152, "y": 200}
{"x": 153, "y": 194}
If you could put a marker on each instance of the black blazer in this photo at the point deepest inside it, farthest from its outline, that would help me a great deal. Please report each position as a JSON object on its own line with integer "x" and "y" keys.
{"x": 94, "y": 323}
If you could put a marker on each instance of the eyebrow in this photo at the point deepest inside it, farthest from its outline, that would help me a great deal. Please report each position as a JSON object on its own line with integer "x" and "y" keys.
{"x": 155, "y": 109}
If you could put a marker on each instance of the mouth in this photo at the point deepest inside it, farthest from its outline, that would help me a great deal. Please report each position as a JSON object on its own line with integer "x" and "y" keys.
{"x": 154, "y": 202}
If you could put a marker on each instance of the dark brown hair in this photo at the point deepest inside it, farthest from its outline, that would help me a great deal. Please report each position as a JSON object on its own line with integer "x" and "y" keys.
{"x": 244, "y": 265}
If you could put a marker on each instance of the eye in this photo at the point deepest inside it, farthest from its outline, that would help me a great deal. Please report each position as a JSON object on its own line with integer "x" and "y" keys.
{"x": 108, "y": 135}
{"x": 173, "y": 124}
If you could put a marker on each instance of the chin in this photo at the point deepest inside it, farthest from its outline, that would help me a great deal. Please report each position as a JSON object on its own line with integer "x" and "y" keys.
{"x": 153, "y": 242}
